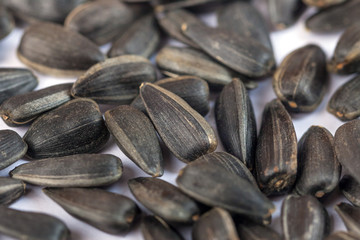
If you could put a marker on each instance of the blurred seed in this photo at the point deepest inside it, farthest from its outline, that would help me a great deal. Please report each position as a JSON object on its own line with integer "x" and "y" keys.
{"x": 7, "y": 23}
{"x": 31, "y": 225}
{"x": 350, "y": 189}
{"x": 73, "y": 128}
{"x": 193, "y": 90}
{"x": 154, "y": 228}
{"x": 24, "y": 108}
{"x": 10, "y": 190}
{"x": 162, "y": 5}
{"x": 12, "y": 148}
{"x": 14, "y": 81}
{"x": 252, "y": 231}
{"x": 107, "y": 211}
{"x": 304, "y": 217}
{"x": 236, "y": 123}
{"x": 342, "y": 236}
{"x": 284, "y": 13}
{"x": 136, "y": 137}
{"x": 116, "y": 80}
{"x": 74, "y": 53}
{"x": 350, "y": 216}
{"x": 164, "y": 199}
{"x": 82, "y": 170}
{"x": 276, "y": 160}
{"x": 183, "y": 130}
{"x": 323, "y": 3}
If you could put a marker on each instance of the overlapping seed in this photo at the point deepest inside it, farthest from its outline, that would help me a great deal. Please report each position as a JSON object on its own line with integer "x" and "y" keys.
{"x": 154, "y": 228}
{"x": 10, "y": 190}
{"x": 7, "y": 23}
{"x": 350, "y": 216}
{"x": 284, "y": 13}
{"x": 12, "y": 148}
{"x": 252, "y": 231}
{"x": 161, "y": 5}
{"x": 351, "y": 189}
{"x": 323, "y": 3}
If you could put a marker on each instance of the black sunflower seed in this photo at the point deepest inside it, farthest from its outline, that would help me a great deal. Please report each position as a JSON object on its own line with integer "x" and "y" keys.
{"x": 12, "y": 148}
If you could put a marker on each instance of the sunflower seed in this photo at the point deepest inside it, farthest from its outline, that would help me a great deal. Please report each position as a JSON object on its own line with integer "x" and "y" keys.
{"x": 183, "y": 130}
{"x": 24, "y": 108}
{"x": 350, "y": 189}
{"x": 10, "y": 190}
{"x": 284, "y": 13}
{"x": 73, "y": 128}
{"x": 12, "y": 148}
{"x": 235, "y": 121}
{"x": 74, "y": 53}
{"x": 276, "y": 161}
{"x": 304, "y": 217}
{"x": 7, "y": 23}
{"x": 162, "y": 5}
{"x": 107, "y": 211}
{"x": 323, "y": 3}
{"x": 136, "y": 137}
{"x": 164, "y": 200}
{"x": 252, "y": 231}
{"x": 154, "y": 228}
{"x": 82, "y": 170}
{"x": 301, "y": 80}
{"x": 116, "y": 80}
{"x": 350, "y": 216}
{"x": 342, "y": 236}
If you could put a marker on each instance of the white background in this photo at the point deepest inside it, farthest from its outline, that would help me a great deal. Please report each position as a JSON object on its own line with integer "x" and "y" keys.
{"x": 283, "y": 42}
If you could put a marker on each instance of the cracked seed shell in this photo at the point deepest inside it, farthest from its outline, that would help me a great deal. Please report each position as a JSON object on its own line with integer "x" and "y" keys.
{"x": 12, "y": 148}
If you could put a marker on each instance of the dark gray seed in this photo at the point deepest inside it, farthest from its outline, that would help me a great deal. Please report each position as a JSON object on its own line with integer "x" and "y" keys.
{"x": 351, "y": 189}
{"x": 244, "y": 20}
{"x": 236, "y": 123}
{"x": 82, "y": 170}
{"x": 183, "y": 130}
{"x": 15, "y": 81}
{"x": 136, "y": 137}
{"x": 276, "y": 160}
{"x": 304, "y": 218}
{"x": 24, "y": 108}
{"x": 7, "y": 23}
{"x": 249, "y": 58}
{"x": 284, "y": 13}
{"x": 342, "y": 236}
{"x": 214, "y": 186}
{"x": 154, "y": 228}
{"x": 334, "y": 18}
{"x": 73, "y": 128}
{"x": 103, "y": 21}
{"x": 350, "y": 216}
{"x": 142, "y": 38}
{"x": 346, "y": 58}
{"x": 116, "y": 80}
{"x": 347, "y": 147}
{"x": 10, "y": 190}
{"x": 31, "y": 225}
{"x": 252, "y": 231}
{"x": 318, "y": 168}
{"x": 107, "y": 211}
{"x": 301, "y": 80}
{"x": 162, "y": 5}
{"x": 164, "y": 199}
{"x": 323, "y": 3}
{"x": 193, "y": 90}
{"x": 213, "y": 225}
{"x": 74, "y": 53}
{"x": 12, "y": 148}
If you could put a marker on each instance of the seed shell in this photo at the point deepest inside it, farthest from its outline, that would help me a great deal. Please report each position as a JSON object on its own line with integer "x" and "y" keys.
{"x": 136, "y": 137}
{"x": 115, "y": 81}
{"x": 74, "y": 53}
{"x": 163, "y": 5}
{"x": 82, "y": 170}
{"x": 276, "y": 152}
{"x": 350, "y": 189}
{"x": 10, "y": 190}
{"x": 342, "y": 236}
{"x": 350, "y": 216}
{"x": 73, "y": 128}
{"x": 164, "y": 199}
{"x": 183, "y": 130}
{"x": 252, "y": 231}
{"x": 7, "y": 23}
{"x": 154, "y": 228}
{"x": 323, "y": 3}
{"x": 24, "y": 108}
{"x": 107, "y": 211}
{"x": 12, "y": 148}
{"x": 284, "y": 13}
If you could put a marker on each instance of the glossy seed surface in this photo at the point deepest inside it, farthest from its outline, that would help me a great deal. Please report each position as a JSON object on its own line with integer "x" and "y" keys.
{"x": 10, "y": 190}
{"x": 12, "y": 148}
{"x": 284, "y": 13}
{"x": 155, "y": 228}
{"x": 252, "y": 231}
{"x": 350, "y": 216}
{"x": 351, "y": 189}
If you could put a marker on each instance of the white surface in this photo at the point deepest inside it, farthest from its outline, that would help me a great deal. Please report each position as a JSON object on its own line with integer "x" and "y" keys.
{"x": 284, "y": 42}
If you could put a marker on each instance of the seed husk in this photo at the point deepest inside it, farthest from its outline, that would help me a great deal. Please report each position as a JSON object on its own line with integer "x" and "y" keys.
{"x": 115, "y": 81}
{"x": 73, "y": 128}
{"x": 191, "y": 89}
{"x": 323, "y": 3}
{"x": 236, "y": 123}
{"x": 164, "y": 5}
{"x": 164, "y": 199}
{"x": 15, "y": 81}
{"x": 212, "y": 185}
{"x": 252, "y": 231}
{"x": 10, "y": 190}
{"x": 215, "y": 224}
{"x": 74, "y": 53}
{"x": 31, "y": 225}
{"x": 12, "y": 148}
{"x": 7, "y": 22}
{"x": 154, "y": 228}
{"x": 334, "y": 18}
{"x": 82, "y": 170}
{"x": 22, "y": 109}
{"x": 284, "y": 13}
{"x": 276, "y": 160}
{"x": 344, "y": 103}
{"x": 342, "y": 236}
{"x": 347, "y": 147}
{"x": 107, "y": 211}
{"x": 301, "y": 80}
{"x": 304, "y": 217}
{"x": 136, "y": 137}
{"x": 249, "y": 58}
{"x": 318, "y": 168}
{"x": 350, "y": 189}
{"x": 350, "y": 216}
{"x": 183, "y": 130}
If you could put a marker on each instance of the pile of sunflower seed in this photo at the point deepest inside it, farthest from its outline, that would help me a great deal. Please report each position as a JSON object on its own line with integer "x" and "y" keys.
{"x": 220, "y": 195}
